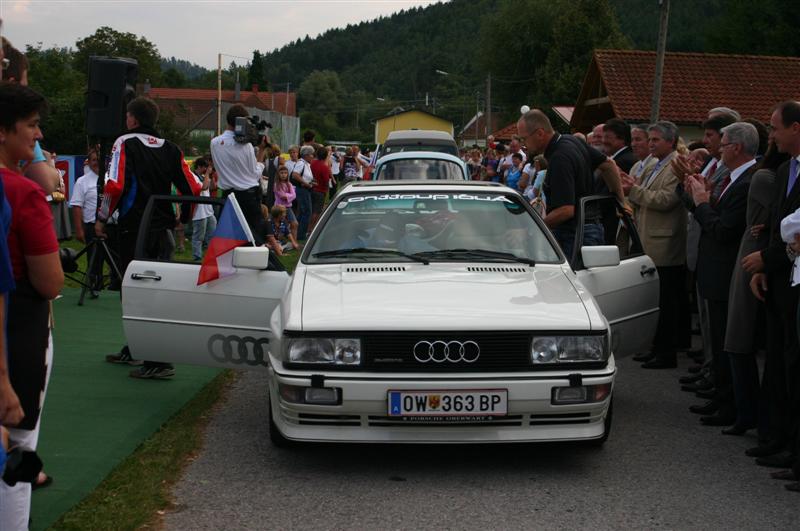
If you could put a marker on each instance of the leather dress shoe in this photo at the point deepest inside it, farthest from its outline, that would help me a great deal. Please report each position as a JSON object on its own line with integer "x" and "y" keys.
{"x": 703, "y": 384}
{"x": 794, "y": 487}
{"x": 785, "y": 475}
{"x": 657, "y": 363}
{"x": 709, "y": 408}
{"x": 690, "y": 379}
{"x": 694, "y": 369}
{"x": 776, "y": 461}
{"x": 694, "y": 354}
{"x": 644, "y": 356}
{"x": 717, "y": 420}
{"x": 763, "y": 450}
{"x": 707, "y": 394}
{"x": 738, "y": 429}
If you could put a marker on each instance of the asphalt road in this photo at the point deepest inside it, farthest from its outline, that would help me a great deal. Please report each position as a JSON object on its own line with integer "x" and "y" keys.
{"x": 659, "y": 469}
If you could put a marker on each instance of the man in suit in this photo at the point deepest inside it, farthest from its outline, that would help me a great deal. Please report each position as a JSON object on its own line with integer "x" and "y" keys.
{"x": 722, "y": 221}
{"x": 771, "y": 269}
{"x": 617, "y": 142}
{"x": 661, "y": 219}
{"x": 641, "y": 150}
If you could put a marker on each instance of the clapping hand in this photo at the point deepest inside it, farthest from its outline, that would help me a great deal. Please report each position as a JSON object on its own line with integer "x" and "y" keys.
{"x": 698, "y": 187}
{"x": 795, "y": 245}
{"x": 628, "y": 182}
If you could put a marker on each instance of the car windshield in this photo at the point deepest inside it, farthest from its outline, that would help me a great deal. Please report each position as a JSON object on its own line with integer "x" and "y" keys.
{"x": 430, "y": 227}
{"x": 419, "y": 169}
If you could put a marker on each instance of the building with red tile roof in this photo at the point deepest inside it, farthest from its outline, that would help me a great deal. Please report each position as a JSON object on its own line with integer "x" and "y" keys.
{"x": 196, "y": 108}
{"x": 619, "y": 83}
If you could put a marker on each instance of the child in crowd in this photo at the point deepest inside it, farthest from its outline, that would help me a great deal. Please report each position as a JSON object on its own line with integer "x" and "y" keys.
{"x": 284, "y": 195}
{"x": 279, "y": 236}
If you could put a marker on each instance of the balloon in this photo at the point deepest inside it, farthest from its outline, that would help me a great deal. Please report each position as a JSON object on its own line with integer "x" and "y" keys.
{"x": 524, "y": 109}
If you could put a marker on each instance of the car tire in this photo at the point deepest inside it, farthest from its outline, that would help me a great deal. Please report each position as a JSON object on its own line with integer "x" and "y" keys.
{"x": 599, "y": 442}
{"x": 275, "y": 435}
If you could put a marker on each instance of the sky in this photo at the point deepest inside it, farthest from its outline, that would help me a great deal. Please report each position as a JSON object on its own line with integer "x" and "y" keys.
{"x": 195, "y": 30}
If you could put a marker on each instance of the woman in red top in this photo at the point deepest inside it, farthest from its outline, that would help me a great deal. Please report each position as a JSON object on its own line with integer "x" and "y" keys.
{"x": 33, "y": 249}
{"x": 320, "y": 185}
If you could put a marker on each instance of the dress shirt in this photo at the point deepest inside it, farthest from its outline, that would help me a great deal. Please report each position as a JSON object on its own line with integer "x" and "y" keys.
{"x": 735, "y": 174}
{"x": 84, "y": 195}
{"x": 237, "y": 168}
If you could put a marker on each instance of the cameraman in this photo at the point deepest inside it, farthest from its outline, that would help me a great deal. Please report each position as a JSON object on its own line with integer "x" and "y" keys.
{"x": 239, "y": 170}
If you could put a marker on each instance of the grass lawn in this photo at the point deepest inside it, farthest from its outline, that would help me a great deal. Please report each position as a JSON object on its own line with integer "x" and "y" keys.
{"x": 139, "y": 487}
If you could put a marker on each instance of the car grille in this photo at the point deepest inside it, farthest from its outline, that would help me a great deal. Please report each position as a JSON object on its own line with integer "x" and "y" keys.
{"x": 499, "y": 351}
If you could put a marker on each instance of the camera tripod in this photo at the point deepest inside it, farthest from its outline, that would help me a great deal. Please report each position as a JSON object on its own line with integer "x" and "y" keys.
{"x": 97, "y": 252}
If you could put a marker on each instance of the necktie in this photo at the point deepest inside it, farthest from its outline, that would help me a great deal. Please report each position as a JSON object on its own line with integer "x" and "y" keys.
{"x": 712, "y": 170}
{"x": 792, "y": 176}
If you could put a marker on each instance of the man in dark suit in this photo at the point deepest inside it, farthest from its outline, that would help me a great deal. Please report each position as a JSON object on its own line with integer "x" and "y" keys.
{"x": 722, "y": 221}
{"x": 771, "y": 269}
{"x": 617, "y": 144}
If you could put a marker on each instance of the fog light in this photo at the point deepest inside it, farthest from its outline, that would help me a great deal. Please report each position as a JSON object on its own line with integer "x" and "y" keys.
{"x": 322, "y": 395}
{"x": 569, "y": 395}
{"x": 291, "y": 393}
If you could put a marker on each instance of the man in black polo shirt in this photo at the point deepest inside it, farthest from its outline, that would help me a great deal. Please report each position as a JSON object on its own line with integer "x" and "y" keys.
{"x": 571, "y": 164}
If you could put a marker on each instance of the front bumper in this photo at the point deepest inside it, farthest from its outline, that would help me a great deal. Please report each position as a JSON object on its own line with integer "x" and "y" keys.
{"x": 362, "y": 415}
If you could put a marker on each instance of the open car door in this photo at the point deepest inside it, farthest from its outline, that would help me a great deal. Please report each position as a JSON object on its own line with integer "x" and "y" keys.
{"x": 167, "y": 317}
{"x": 626, "y": 288}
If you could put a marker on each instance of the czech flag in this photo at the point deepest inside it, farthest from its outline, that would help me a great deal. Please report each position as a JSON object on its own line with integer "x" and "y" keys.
{"x": 232, "y": 232}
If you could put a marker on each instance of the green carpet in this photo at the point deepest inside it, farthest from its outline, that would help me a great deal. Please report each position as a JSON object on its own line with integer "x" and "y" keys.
{"x": 94, "y": 414}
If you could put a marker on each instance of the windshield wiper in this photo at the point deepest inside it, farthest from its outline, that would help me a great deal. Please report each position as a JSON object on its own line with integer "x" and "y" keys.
{"x": 369, "y": 250}
{"x": 482, "y": 253}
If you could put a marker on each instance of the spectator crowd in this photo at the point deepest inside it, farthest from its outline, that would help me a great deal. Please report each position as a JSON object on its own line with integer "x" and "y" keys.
{"x": 719, "y": 217}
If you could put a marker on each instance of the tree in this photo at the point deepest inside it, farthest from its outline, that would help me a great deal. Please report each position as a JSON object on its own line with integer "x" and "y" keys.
{"x": 173, "y": 78}
{"x": 109, "y": 42}
{"x": 321, "y": 95}
{"x": 255, "y": 73}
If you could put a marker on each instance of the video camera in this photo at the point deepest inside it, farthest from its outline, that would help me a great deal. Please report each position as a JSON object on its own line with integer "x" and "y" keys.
{"x": 250, "y": 129}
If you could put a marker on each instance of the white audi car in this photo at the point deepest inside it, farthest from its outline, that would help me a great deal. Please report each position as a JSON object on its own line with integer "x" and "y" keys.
{"x": 419, "y": 312}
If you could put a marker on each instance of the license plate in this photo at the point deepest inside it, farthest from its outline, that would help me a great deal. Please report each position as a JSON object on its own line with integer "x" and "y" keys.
{"x": 473, "y": 402}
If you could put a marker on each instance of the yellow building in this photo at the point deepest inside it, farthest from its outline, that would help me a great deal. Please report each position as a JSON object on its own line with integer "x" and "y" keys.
{"x": 413, "y": 119}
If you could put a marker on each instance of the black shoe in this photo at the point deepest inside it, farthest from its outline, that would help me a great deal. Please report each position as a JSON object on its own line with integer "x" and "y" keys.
{"x": 707, "y": 394}
{"x": 717, "y": 420}
{"x": 692, "y": 378}
{"x": 738, "y": 429}
{"x": 763, "y": 450}
{"x": 703, "y": 384}
{"x": 694, "y": 354}
{"x": 709, "y": 408}
{"x": 644, "y": 356}
{"x": 794, "y": 487}
{"x": 153, "y": 373}
{"x": 783, "y": 475}
{"x": 776, "y": 461}
{"x": 123, "y": 358}
{"x": 658, "y": 363}
{"x": 695, "y": 369}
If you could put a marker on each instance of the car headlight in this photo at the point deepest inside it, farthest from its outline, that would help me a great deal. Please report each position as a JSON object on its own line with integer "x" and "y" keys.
{"x": 567, "y": 349}
{"x": 338, "y": 351}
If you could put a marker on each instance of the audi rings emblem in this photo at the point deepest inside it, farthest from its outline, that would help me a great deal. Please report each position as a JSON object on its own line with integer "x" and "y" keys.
{"x": 442, "y": 351}
{"x": 238, "y": 350}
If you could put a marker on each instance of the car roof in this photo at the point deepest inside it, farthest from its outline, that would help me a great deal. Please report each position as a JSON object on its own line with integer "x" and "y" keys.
{"x": 428, "y": 155}
{"x": 416, "y": 135}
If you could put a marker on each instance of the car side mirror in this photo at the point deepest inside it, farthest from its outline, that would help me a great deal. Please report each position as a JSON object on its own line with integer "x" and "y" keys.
{"x": 251, "y": 258}
{"x": 600, "y": 256}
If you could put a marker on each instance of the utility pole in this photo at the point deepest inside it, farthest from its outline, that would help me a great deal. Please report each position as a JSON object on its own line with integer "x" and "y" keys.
{"x": 477, "y": 110}
{"x": 488, "y": 105}
{"x": 286, "y": 111}
{"x": 219, "y": 94}
{"x": 655, "y": 103}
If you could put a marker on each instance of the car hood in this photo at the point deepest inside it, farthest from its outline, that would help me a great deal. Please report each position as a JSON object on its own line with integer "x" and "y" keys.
{"x": 440, "y": 297}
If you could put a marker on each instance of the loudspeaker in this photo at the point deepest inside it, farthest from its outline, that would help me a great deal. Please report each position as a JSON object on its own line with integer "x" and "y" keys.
{"x": 112, "y": 85}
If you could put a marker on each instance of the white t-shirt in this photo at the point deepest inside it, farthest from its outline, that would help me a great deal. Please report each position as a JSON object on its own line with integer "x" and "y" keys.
{"x": 335, "y": 164}
{"x": 84, "y": 195}
{"x": 302, "y": 167}
{"x": 237, "y": 168}
{"x": 202, "y": 211}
